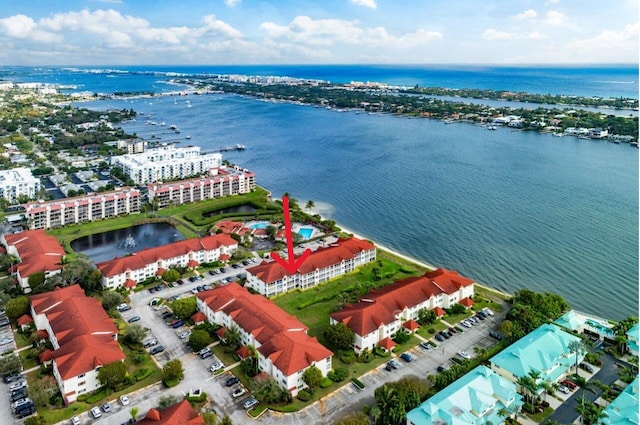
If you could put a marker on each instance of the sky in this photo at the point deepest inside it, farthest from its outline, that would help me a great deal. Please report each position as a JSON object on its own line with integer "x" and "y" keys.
{"x": 239, "y": 32}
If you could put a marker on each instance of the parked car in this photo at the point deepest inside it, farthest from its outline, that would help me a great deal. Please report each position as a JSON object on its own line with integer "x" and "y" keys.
{"x": 231, "y": 381}
{"x": 185, "y": 334}
{"x": 585, "y": 366}
{"x": 215, "y": 366}
{"x": 488, "y": 311}
{"x": 12, "y": 378}
{"x": 180, "y": 282}
{"x": 464, "y": 354}
{"x": 563, "y": 389}
{"x": 156, "y": 350}
{"x": 453, "y": 330}
{"x": 249, "y": 403}
{"x": 406, "y": 357}
{"x": 166, "y": 315}
{"x": 17, "y": 385}
{"x": 18, "y": 395}
{"x": 439, "y": 337}
{"x": 25, "y": 410}
{"x": 211, "y": 272}
{"x": 482, "y": 314}
{"x": 95, "y": 412}
{"x": 441, "y": 368}
{"x": 150, "y": 343}
{"x": 176, "y": 324}
{"x": 106, "y": 408}
{"x": 569, "y": 384}
{"x": 238, "y": 392}
{"x": 205, "y": 352}
{"x": 75, "y": 420}
{"x": 425, "y": 345}
{"x": 466, "y": 324}
{"x": 393, "y": 364}
{"x": 123, "y": 307}
{"x": 495, "y": 335}
{"x": 124, "y": 400}
{"x": 133, "y": 319}
{"x": 444, "y": 334}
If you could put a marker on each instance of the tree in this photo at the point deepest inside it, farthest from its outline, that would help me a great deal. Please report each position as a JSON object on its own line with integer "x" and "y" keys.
{"x": 340, "y": 336}
{"x": 134, "y": 412}
{"x": 10, "y": 364}
{"x": 232, "y": 339}
{"x": 172, "y": 371}
{"x": 135, "y": 334}
{"x": 309, "y": 206}
{"x": 41, "y": 390}
{"x": 354, "y": 419}
{"x": 171, "y": 276}
{"x": 210, "y": 418}
{"x": 36, "y": 280}
{"x": 16, "y": 307}
{"x": 167, "y": 401}
{"x": 226, "y": 420}
{"x": 112, "y": 374}
{"x": 391, "y": 408}
{"x": 577, "y": 348}
{"x": 184, "y": 308}
{"x": 268, "y": 391}
{"x": 111, "y": 299}
{"x": 199, "y": 339}
{"x": 426, "y": 316}
{"x": 312, "y": 377}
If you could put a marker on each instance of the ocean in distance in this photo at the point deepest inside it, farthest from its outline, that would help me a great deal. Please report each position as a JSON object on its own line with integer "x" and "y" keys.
{"x": 509, "y": 209}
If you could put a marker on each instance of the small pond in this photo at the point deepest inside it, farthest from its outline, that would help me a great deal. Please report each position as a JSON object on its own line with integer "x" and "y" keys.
{"x": 239, "y": 208}
{"x": 117, "y": 243}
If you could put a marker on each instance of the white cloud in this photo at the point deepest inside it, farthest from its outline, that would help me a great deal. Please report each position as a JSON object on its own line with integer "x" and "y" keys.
{"x": 527, "y": 15}
{"x": 327, "y": 32}
{"x": 535, "y": 35}
{"x": 493, "y": 34}
{"x": 548, "y": 2}
{"x": 25, "y": 28}
{"x": 610, "y": 45}
{"x": 553, "y": 17}
{"x": 231, "y": 3}
{"x": 366, "y": 3}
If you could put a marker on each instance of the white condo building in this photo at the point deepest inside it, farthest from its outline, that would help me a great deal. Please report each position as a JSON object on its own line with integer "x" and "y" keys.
{"x": 166, "y": 163}
{"x": 16, "y": 182}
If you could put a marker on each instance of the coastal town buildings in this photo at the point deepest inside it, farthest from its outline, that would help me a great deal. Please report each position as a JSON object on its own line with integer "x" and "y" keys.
{"x": 223, "y": 181}
{"x": 37, "y": 252}
{"x": 135, "y": 268}
{"x": 547, "y": 350}
{"x": 18, "y": 182}
{"x": 476, "y": 398}
{"x": 81, "y": 209}
{"x": 83, "y": 336}
{"x": 284, "y": 349}
{"x": 269, "y": 278}
{"x": 623, "y": 410}
{"x": 166, "y": 162}
{"x": 381, "y": 313}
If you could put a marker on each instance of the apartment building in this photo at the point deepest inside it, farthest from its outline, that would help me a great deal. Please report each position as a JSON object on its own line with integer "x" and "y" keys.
{"x": 16, "y": 182}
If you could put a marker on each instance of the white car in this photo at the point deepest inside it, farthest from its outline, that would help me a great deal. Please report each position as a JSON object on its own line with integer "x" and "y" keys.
{"x": 5, "y": 341}
{"x": 216, "y": 366}
{"x": 464, "y": 354}
{"x": 124, "y": 400}
{"x": 488, "y": 311}
{"x": 238, "y": 392}
{"x": 564, "y": 389}
{"x": 75, "y": 420}
{"x": 17, "y": 385}
{"x": 185, "y": 334}
{"x": 95, "y": 412}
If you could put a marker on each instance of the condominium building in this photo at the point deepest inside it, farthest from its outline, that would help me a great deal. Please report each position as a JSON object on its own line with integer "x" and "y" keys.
{"x": 16, "y": 182}
{"x": 135, "y": 268}
{"x": 283, "y": 347}
{"x": 83, "y": 337}
{"x": 223, "y": 181}
{"x": 269, "y": 278}
{"x": 166, "y": 163}
{"x": 37, "y": 251}
{"x": 383, "y": 312}
{"x": 81, "y": 209}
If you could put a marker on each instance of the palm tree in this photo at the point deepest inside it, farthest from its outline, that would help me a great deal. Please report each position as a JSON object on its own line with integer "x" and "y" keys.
{"x": 134, "y": 412}
{"x": 584, "y": 385}
{"x": 577, "y": 348}
{"x": 480, "y": 351}
{"x": 310, "y": 205}
{"x": 525, "y": 384}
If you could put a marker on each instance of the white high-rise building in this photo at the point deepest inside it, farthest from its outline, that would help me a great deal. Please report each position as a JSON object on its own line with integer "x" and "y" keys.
{"x": 166, "y": 163}
{"x": 16, "y": 182}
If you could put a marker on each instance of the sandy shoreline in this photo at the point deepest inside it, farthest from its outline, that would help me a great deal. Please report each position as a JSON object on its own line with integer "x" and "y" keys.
{"x": 415, "y": 261}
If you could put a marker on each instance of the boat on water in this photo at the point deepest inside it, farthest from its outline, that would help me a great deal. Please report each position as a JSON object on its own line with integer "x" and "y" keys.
{"x": 491, "y": 127}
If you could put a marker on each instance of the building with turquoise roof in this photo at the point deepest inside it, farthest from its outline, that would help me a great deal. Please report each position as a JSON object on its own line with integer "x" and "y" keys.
{"x": 474, "y": 399}
{"x": 632, "y": 339}
{"x": 545, "y": 350}
{"x": 624, "y": 409}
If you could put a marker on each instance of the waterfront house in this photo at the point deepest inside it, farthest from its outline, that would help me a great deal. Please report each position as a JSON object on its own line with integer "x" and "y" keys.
{"x": 632, "y": 340}
{"x": 623, "y": 410}
{"x": 476, "y": 398}
{"x": 284, "y": 349}
{"x": 382, "y": 312}
{"x": 545, "y": 350}
{"x": 83, "y": 336}
{"x": 37, "y": 251}
{"x": 135, "y": 268}
{"x": 269, "y": 278}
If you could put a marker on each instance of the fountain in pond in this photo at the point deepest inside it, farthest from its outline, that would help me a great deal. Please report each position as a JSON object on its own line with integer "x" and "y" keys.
{"x": 129, "y": 242}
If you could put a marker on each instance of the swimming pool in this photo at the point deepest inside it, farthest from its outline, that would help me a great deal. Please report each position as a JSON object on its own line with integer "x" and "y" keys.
{"x": 261, "y": 225}
{"x": 305, "y": 232}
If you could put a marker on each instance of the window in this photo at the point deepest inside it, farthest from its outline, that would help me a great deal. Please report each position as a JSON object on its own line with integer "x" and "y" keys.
{"x": 81, "y": 375}
{"x": 82, "y": 383}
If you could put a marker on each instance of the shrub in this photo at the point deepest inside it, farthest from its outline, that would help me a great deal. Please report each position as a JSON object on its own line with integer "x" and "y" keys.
{"x": 401, "y": 337}
{"x": 358, "y": 383}
{"x": 338, "y": 375}
{"x": 326, "y": 383}
{"x": 83, "y": 397}
{"x": 289, "y": 408}
{"x": 431, "y": 331}
{"x": 347, "y": 357}
{"x": 304, "y": 395}
{"x": 171, "y": 383}
{"x": 197, "y": 399}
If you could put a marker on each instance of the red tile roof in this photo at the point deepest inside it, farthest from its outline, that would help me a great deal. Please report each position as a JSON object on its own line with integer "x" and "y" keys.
{"x": 130, "y": 283}
{"x": 243, "y": 352}
{"x": 344, "y": 249}
{"x": 37, "y": 250}
{"x": 179, "y": 414}
{"x": 140, "y": 259}
{"x": 84, "y": 331}
{"x": 199, "y": 317}
{"x": 411, "y": 325}
{"x": 25, "y": 319}
{"x": 387, "y": 343}
{"x": 193, "y": 263}
{"x": 467, "y": 302}
{"x": 282, "y": 338}
{"x": 380, "y": 307}
{"x": 439, "y": 311}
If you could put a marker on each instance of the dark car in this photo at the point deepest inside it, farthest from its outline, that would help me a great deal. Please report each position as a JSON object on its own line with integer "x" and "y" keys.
{"x": 479, "y": 317}
{"x": 166, "y": 315}
{"x": 453, "y": 330}
{"x": 177, "y": 323}
{"x": 439, "y": 337}
{"x": 180, "y": 282}
{"x": 406, "y": 357}
{"x": 12, "y": 378}
{"x": 18, "y": 395}
{"x": 444, "y": 334}
{"x": 156, "y": 350}
{"x": 231, "y": 381}
{"x": 495, "y": 335}
{"x": 133, "y": 319}
{"x": 586, "y": 367}
{"x": 211, "y": 272}
{"x": 441, "y": 368}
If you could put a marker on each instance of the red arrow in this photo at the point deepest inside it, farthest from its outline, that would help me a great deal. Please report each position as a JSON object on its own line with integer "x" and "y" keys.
{"x": 291, "y": 265}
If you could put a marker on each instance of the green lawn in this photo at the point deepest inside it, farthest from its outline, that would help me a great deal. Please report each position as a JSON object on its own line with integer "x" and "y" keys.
{"x": 21, "y": 340}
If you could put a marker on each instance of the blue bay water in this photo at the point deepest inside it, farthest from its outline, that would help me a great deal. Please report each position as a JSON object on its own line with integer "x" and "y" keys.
{"x": 509, "y": 209}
